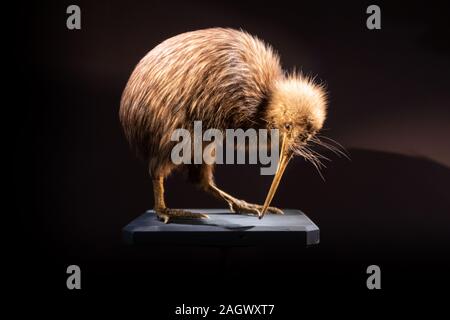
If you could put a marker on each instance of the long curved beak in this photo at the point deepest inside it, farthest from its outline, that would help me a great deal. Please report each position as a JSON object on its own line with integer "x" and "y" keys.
{"x": 285, "y": 156}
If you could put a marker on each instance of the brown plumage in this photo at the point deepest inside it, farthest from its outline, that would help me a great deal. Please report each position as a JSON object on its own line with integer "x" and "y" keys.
{"x": 227, "y": 79}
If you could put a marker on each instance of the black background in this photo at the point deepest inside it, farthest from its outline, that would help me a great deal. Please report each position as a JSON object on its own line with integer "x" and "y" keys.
{"x": 76, "y": 183}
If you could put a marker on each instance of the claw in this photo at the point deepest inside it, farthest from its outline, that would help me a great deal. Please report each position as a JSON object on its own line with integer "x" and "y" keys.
{"x": 275, "y": 210}
{"x": 166, "y": 214}
{"x": 241, "y": 206}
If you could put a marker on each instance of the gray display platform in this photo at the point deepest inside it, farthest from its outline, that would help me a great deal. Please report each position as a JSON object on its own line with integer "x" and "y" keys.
{"x": 224, "y": 228}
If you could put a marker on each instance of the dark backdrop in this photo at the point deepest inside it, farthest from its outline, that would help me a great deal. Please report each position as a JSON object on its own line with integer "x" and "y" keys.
{"x": 77, "y": 183}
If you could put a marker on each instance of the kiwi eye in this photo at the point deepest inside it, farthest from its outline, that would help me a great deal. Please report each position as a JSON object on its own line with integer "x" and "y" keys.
{"x": 288, "y": 126}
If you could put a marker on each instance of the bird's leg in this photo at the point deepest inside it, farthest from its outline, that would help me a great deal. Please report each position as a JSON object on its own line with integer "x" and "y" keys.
{"x": 236, "y": 205}
{"x": 164, "y": 213}
{"x": 203, "y": 176}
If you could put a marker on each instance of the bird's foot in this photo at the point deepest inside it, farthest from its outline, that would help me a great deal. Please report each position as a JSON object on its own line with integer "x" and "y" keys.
{"x": 241, "y": 206}
{"x": 166, "y": 214}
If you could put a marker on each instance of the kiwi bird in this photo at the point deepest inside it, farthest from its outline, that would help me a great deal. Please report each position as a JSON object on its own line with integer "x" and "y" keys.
{"x": 227, "y": 79}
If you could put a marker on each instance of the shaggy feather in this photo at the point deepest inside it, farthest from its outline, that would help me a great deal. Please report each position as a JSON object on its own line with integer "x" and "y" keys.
{"x": 227, "y": 79}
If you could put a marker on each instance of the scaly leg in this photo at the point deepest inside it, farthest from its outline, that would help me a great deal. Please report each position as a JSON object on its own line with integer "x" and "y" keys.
{"x": 203, "y": 175}
{"x": 164, "y": 213}
{"x": 239, "y": 206}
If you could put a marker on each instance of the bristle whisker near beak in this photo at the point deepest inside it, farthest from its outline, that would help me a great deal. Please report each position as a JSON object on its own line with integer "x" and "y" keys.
{"x": 317, "y": 166}
{"x": 317, "y": 155}
{"x": 313, "y": 158}
{"x": 331, "y": 140}
{"x": 336, "y": 147}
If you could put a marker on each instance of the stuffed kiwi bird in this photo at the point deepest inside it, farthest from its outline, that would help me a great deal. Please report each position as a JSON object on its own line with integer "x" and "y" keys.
{"x": 227, "y": 79}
